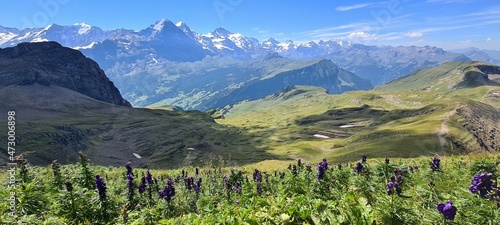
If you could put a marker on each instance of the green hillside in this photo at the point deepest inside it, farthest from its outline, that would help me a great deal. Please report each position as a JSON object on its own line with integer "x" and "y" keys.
{"x": 423, "y": 113}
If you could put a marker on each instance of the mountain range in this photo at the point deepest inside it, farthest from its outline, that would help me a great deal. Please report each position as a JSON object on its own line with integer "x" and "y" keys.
{"x": 164, "y": 59}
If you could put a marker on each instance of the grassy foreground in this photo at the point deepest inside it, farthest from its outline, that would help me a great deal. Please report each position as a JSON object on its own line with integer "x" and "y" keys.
{"x": 309, "y": 193}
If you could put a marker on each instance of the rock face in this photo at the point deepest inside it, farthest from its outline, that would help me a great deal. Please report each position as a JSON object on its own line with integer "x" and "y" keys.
{"x": 49, "y": 63}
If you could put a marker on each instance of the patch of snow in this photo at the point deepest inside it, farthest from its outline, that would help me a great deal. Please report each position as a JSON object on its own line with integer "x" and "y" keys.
{"x": 5, "y": 37}
{"x": 84, "y": 28}
{"x": 191, "y": 149}
{"x": 137, "y": 155}
{"x": 159, "y": 25}
{"x": 321, "y": 136}
{"x": 347, "y": 126}
{"x": 39, "y": 39}
{"x": 91, "y": 45}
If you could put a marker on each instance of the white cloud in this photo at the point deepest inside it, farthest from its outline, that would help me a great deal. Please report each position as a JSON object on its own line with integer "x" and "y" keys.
{"x": 488, "y": 39}
{"x": 361, "y": 35}
{"x": 351, "y": 7}
{"x": 414, "y": 34}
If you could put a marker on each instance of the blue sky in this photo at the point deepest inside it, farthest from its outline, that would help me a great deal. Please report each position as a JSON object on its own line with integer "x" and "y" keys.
{"x": 449, "y": 24}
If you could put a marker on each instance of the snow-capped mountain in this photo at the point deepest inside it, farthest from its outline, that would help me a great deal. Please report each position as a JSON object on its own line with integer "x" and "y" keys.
{"x": 177, "y": 42}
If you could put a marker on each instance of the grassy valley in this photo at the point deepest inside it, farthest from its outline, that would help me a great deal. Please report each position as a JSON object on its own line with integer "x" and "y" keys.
{"x": 420, "y": 114}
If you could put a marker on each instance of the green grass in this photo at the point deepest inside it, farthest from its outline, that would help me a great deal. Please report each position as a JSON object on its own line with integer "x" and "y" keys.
{"x": 342, "y": 196}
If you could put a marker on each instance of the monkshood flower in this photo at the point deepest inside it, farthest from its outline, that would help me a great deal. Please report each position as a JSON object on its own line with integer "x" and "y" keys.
{"x": 196, "y": 171}
{"x": 299, "y": 163}
{"x": 339, "y": 165}
{"x": 129, "y": 169}
{"x": 411, "y": 169}
{"x": 69, "y": 186}
{"x": 359, "y": 167}
{"x": 448, "y": 210}
{"x": 168, "y": 191}
{"x": 100, "y": 185}
{"x": 363, "y": 158}
{"x": 149, "y": 178}
{"x": 188, "y": 182}
{"x": 197, "y": 186}
{"x": 130, "y": 182}
{"x": 393, "y": 187}
{"x": 282, "y": 175}
{"x": 257, "y": 176}
{"x": 387, "y": 160}
{"x": 481, "y": 183}
{"x": 435, "y": 163}
{"x": 322, "y": 167}
{"x": 142, "y": 186}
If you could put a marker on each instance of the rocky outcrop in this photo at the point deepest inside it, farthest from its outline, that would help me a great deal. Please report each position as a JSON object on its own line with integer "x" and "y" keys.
{"x": 49, "y": 63}
{"x": 482, "y": 121}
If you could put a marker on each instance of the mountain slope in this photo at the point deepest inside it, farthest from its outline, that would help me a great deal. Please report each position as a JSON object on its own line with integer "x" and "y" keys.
{"x": 217, "y": 82}
{"x": 54, "y": 120}
{"x": 165, "y": 40}
{"x": 48, "y": 63}
{"x": 395, "y": 120}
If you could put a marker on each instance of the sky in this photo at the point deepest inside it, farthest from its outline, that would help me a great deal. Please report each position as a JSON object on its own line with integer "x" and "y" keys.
{"x": 450, "y": 24}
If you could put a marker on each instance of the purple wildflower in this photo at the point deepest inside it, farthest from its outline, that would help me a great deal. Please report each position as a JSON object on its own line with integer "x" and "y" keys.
{"x": 359, "y": 167}
{"x": 100, "y": 185}
{"x": 363, "y": 158}
{"x": 197, "y": 186}
{"x": 481, "y": 183}
{"x": 196, "y": 171}
{"x": 142, "y": 185}
{"x": 129, "y": 169}
{"x": 435, "y": 163}
{"x": 168, "y": 191}
{"x": 387, "y": 160}
{"x": 237, "y": 201}
{"x": 149, "y": 178}
{"x": 322, "y": 167}
{"x": 448, "y": 210}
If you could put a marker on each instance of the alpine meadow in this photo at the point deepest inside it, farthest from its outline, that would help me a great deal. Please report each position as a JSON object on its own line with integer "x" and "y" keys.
{"x": 282, "y": 112}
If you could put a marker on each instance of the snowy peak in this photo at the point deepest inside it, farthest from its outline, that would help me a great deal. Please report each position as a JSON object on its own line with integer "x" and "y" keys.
{"x": 221, "y": 32}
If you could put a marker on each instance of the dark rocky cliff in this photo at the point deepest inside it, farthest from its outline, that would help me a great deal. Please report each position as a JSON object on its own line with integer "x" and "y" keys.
{"x": 49, "y": 63}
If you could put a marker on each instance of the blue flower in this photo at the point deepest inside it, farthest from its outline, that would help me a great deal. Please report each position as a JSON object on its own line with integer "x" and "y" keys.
{"x": 168, "y": 191}
{"x": 481, "y": 183}
{"x": 435, "y": 163}
{"x": 100, "y": 186}
{"x": 359, "y": 167}
{"x": 448, "y": 210}
{"x": 322, "y": 168}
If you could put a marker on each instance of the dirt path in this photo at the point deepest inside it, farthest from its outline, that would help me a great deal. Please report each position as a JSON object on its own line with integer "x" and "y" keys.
{"x": 444, "y": 128}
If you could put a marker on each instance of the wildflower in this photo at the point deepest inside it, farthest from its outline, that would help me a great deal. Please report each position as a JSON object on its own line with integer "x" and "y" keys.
{"x": 142, "y": 185}
{"x": 299, "y": 163}
{"x": 100, "y": 186}
{"x": 448, "y": 210}
{"x": 435, "y": 164}
{"x": 196, "y": 171}
{"x": 188, "y": 182}
{"x": 294, "y": 170}
{"x": 237, "y": 201}
{"x": 149, "y": 178}
{"x": 481, "y": 183}
{"x": 257, "y": 176}
{"x": 168, "y": 191}
{"x": 322, "y": 167}
{"x": 359, "y": 167}
{"x": 282, "y": 175}
{"x": 197, "y": 186}
{"x": 363, "y": 158}
{"x": 129, "y": 169}
{"x": 411, "y": 169}
{"x": 387, "y": 160}
{"x": 339, "y": 165}
{"x": 393, "y": 186}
